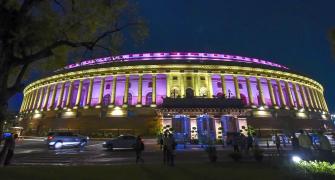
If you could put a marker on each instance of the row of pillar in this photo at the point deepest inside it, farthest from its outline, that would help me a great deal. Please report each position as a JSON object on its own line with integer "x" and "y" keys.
{"x": 35, "y": 100}
{"x": 309, "y": 97}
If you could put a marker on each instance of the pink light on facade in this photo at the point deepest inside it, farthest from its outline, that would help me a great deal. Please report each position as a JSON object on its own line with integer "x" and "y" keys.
{"x": 172, "y": 56}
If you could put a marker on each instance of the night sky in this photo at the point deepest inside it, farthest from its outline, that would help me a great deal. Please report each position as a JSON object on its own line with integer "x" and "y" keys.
{"x": 294, "y": 33}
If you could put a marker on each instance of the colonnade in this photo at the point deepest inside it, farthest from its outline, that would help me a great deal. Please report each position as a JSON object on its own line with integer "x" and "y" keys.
{"x": 280, "y": 93}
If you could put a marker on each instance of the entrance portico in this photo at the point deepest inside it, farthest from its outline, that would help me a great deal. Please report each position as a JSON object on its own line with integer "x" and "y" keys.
{"x": 202, "y": 124}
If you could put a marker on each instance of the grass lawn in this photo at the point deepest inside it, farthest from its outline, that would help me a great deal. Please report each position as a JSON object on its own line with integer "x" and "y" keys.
{"x": 199, "y": 171}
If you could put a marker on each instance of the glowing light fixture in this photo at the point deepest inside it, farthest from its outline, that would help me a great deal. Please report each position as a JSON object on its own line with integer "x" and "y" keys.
{"x": 296, "y": 159}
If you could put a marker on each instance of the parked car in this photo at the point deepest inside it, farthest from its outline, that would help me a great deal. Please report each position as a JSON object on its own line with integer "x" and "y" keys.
{"x": 121, "y": 142}
{"x": 58, "y": 140}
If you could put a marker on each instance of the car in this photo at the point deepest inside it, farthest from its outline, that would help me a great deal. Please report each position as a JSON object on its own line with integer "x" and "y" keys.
{"x": 58, "y": 140}
{"x": 120, "y": 142}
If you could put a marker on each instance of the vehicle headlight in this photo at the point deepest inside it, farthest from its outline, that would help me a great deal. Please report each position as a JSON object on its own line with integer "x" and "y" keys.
{"x": 104, "y": 143}
{"x": 51, "y": 143}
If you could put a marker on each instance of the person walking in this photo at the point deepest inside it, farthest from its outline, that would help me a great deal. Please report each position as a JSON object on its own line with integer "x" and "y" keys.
{"x": 305, "y": 144}
{"x": 277, "y": 142}
{"x": 325, "y": 148}
{"x": 7, "y": 152}
{"x": 235, "y": 143}
{"x": 295, "y": 143}
{"x": 139, "y": 147}
{"x": 165, "y": 151}
{"x": 250, "y": 141}
{"x": 171, "y": 146}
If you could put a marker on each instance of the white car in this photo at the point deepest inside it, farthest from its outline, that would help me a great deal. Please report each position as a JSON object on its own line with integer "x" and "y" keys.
{"x": 121, "y": 142}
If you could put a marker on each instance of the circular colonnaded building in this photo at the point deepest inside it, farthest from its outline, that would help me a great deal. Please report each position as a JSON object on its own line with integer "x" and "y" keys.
{"x": 195, "y": 94}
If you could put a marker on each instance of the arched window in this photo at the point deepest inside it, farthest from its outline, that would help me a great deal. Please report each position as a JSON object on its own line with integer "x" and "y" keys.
{"x": 148, "y": 99}
{"x": 219, "y": 84}
{"x": 130, "y": 98}
{"x": 107, "y": 99}
{"x": 240, "y": 86}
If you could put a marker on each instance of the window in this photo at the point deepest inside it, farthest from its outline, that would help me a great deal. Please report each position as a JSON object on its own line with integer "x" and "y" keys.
{"x": 202, "y": 78}
{"x": 150, "y": 84}
{"x": 219, "y": 84}
{"x": 129, "y": 85}
{"x": 240, "y": 86}
{"x": 108, "y": 86}
{"x": 189, "y": 78}
{"x": 175, "y": 78}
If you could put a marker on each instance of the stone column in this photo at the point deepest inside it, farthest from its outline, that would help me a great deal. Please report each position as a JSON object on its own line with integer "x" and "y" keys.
{"x": 281, "y": 94}
{"x": 31, "y": 99}
{"x": 168, "y": 86}
{"x": 53, "y": 96}
{"x": 35, "y": 99}
{"x": 89, "y": 93}
{"x": 101, "y": 93}
{"x": 315, "y": 98}
{"x": 126, "y": 91}
{"x": 317, "y": 93}
{"x": 237, "y": 89}
{"x": 80, "y": 89}
{"x": 303, "y": 96}
{"x": 296, "y": 94}
{"x": 69, "y": 94}
{"x": 312, "y": 105}
{"x": 260, "y": 91}
{"x": 182, "y": 85}
{"x": 210, "y": 86}
{"x": 40, "y": 100}
{"x": 272, "y": 95}
{"x": 324, "y": 102}
{"x": 287, "y": 86}
{"x": 154, "y": 78}
{"x": 23, "y": 103}
{"x": 60, "y": 98}
{"x": 46, "y": 99}
{"x": 197, "y": 85}
{"x": 223, "y": 84}
{"x": 139, "y": 91}
{"x": 26, "y": 100}
{"x": 112, "y": 103}
{"x": 250, "y": 96}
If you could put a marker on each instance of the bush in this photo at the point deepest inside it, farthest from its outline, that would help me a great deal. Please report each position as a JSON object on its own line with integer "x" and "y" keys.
{"x": 316, "y": 168}
{"x": 236, "y": 156}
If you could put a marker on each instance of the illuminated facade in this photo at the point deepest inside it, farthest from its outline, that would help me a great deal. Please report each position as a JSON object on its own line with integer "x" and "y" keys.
{"x": 135, "y": 85}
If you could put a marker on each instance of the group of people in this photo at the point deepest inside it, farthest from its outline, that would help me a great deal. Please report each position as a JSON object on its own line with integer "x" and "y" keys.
{"x": 168, "y": 145}
{"x": 242, "y": 143}
{"x": 304, "y": 144}
{"x": 7, "y": 151}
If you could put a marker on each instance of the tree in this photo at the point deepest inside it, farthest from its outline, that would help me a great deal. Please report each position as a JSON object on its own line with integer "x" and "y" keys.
{"x": 35, "y": 33}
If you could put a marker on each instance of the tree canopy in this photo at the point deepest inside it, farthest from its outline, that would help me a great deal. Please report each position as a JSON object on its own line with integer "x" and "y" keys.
{"x": 35, "y": 33}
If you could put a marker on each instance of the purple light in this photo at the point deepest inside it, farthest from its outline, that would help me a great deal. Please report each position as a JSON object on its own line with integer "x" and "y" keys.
{"x": 172, "y": 56}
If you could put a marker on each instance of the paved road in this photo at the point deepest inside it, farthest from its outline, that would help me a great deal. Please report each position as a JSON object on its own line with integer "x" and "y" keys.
{"x": 35, "y": 152}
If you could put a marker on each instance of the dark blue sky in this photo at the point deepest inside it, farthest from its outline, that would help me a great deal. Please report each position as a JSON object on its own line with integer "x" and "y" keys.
{"x": 294, "y": 33}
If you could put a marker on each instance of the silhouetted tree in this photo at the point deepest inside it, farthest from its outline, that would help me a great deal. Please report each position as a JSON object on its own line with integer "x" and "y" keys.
{"x": 42, "y": 33}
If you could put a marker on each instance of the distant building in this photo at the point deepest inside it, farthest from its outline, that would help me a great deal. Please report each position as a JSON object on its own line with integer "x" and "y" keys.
{"x": 195, "y": 94}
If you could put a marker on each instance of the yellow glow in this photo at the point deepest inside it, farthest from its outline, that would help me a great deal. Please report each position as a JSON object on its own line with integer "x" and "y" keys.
{"x": 229, "y": 70}
{"x": 117, "y": 112}
{"x": 301, "y": 115}
{"x": 262, "y": 113}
